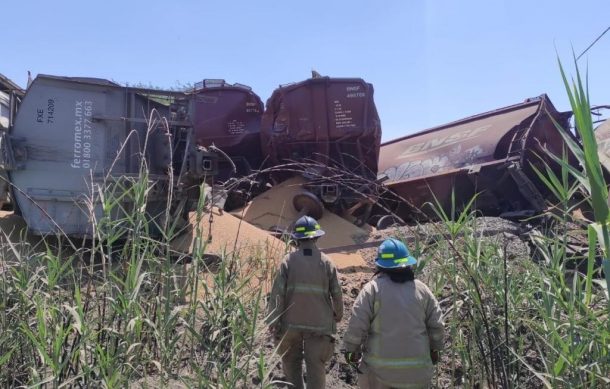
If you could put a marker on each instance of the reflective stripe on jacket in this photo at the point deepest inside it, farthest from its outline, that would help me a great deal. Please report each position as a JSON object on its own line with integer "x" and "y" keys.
{"x": 306, "y": 295}
{"x": 400, "y": 323}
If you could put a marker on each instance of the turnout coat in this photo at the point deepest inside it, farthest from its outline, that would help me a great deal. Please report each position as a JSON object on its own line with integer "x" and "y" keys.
{"x": 396, "y": 325}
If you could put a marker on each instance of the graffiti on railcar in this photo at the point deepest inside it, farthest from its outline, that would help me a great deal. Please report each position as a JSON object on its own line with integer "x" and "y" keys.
{"x": 454, "y": 159}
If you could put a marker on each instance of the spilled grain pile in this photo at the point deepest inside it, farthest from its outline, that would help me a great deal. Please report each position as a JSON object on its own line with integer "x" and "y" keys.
{"x": 273, "y": 210}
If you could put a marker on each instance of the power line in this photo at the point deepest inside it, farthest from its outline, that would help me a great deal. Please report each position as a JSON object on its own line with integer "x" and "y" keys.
{"x": 595, "y": 41}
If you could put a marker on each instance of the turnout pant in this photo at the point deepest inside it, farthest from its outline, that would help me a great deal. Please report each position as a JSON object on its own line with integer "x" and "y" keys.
{"x": 315, "y": 348}
{"x": 369, "y": 380}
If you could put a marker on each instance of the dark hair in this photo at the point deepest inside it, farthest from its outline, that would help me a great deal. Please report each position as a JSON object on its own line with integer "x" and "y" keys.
{"x": 400, "y": 275}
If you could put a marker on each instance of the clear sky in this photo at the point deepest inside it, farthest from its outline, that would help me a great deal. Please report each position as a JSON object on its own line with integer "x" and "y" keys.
{"x": 431, "y": 62}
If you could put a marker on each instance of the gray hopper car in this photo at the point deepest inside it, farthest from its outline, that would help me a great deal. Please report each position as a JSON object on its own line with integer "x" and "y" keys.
{"x": 74, "y": 136}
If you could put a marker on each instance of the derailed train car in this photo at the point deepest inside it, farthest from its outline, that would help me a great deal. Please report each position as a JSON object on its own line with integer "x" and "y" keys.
{"x": 330, "y": 130}
{"x": 72, "y": 136}
{"x": 602, "y": 135}
{"x": 490, "y": 154}
{"x": 228, "y": 116}
{"x": 10, "y": 98}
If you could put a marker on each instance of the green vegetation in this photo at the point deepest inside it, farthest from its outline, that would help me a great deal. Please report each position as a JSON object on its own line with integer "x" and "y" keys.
{"x": 592, "y": 180}
{"x": 513, "y": 322}
{"x": 125, "y": 309}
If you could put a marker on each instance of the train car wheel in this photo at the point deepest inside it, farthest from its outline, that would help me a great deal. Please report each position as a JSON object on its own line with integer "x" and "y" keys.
{"x": 308, "y": 203}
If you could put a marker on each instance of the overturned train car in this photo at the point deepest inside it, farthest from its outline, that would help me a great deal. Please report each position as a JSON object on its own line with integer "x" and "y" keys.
{"x": 228, "y": 116}
{"x": 329, "y": 131}
{"x": 602, "y": 135}
{"x": 10, "y": 98}
{"x": 490, "y": 155}
{"x": 72, "y": 137}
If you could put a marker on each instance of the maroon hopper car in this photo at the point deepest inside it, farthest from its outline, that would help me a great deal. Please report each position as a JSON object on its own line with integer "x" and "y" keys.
{"x": 228, "y": 116}
{"x": 328, "y": 121}
{"x": 490, "y": 154}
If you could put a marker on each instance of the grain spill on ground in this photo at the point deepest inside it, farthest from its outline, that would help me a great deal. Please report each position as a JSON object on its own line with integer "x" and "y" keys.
{"x": 228, "y": 233}
{"x": 273, "y": 210}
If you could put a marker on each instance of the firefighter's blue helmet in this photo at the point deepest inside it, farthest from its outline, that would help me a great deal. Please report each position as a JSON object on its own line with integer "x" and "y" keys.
{"x": 306, "y": 227}
{"x": 393, "y": 254}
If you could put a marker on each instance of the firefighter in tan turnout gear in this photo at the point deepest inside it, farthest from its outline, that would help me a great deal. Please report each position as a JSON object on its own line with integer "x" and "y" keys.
{"x": 396, "y": 331}
{"x": 305, "y": 304}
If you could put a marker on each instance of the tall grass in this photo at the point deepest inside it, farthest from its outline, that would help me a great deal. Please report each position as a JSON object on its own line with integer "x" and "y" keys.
{"x": 592, "y": 179}
{"x": 126, "y": 309}
{"x": 513, "y": 322}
